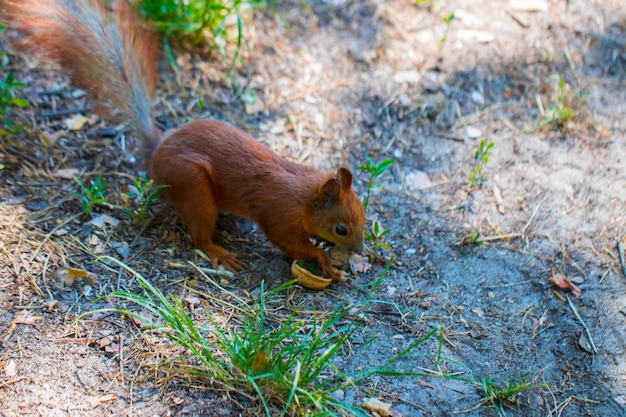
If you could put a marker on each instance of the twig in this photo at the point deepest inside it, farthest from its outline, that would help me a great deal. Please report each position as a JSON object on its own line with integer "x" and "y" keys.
{"x": 530, "y": 219}
{"x": 64, "y": 112}
{"x": 500, "y": 237}
{"x": 593, "y": 345}
{"x": 121, "y": 351}
{"x": 13, "y": 381}
{"x": 620, "y": 252}
{"x": 448, "y": 136}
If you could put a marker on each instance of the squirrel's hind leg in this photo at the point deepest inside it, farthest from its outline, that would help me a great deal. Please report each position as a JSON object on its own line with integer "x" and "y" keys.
{"x": 192, "y": 196}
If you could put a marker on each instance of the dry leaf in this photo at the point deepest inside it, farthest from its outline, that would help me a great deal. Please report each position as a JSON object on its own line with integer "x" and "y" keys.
{"x": 66, "y": 173}
{"x": 424, "y": 384}
{"x": 103, "y": 220}
{"x": 10, "y": 370}
{"x": 584, "y": 344}
{"x": 95, "y": 402}
{"x": 105, "y": 341}
{"x": 25, "y": 318}
{"x": 374, "y": 404}
{"x": 76, "y": 122}
{"x": 562, "y": 282}
{"x": 360, "y": 264}
{"x": 67, "y": 276}
{"x": 49, "y": 139}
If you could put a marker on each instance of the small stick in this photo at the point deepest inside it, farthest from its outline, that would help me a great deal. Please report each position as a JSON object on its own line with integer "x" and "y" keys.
{"x": 64, "y": 112}
{"x": 620, "y": 252}
{"x": 448, "y": 136}
{"x": 593, "y": 345}
{"x": 121, "y": 340}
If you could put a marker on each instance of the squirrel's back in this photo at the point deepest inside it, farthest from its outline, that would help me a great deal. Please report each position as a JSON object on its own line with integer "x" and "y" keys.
{"x": 104, "y": 51}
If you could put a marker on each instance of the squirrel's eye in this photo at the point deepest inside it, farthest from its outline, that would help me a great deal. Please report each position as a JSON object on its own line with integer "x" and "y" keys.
{"x": 341, "y": 231}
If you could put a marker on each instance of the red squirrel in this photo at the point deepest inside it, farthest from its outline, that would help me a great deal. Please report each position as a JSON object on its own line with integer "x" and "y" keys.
{"x": 209, "y": 166}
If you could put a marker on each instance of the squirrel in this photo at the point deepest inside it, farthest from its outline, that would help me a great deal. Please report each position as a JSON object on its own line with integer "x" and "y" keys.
{"x": 209, "y": 167}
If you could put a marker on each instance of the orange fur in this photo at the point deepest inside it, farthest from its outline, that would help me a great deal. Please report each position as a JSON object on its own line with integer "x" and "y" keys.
{"x": 210, "y": 167}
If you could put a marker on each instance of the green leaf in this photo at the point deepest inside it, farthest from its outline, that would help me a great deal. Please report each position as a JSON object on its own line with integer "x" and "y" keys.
{"x": 20, "y": 102}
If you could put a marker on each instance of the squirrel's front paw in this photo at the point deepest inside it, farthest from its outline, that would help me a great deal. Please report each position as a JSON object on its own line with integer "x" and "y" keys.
{"x": 329, "y": 271}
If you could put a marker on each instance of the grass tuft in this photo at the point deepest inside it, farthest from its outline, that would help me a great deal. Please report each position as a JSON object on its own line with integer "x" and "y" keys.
{"x": 286, "y": 368}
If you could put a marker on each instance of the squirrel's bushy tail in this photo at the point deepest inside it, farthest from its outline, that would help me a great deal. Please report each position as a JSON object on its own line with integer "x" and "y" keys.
{"x": 104, "y": 51}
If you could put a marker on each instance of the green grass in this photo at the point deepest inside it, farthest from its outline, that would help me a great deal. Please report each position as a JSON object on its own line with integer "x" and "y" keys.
{"x": 216, "y": 23}
{"x": 285, "y": 366}
{"x": 375, "y": 170}
{"x": 499, "y": 396}
{"x": 481, "y": 158}
{"x": 90, "y": 196}
{"x": 562, "y": 105}
{"x": 194, "y": 20}
{"x": 8, "y": 101}
{"x": 144, "y": 194}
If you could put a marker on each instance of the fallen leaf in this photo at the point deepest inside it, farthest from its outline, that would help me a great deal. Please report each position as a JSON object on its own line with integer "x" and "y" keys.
{"x": 49, "y": 138}
{"x": 193, "y": 300}
{"x": 122, "y": 248}
{"x": 10, "y": 370}
{"x": 105, "y": 341}
{"x": 94, "y": 240}
{"x": 562, "y": 282}
{"x": 25, "y": 318}
{"x": 360, "y": 264}
{"x": 95, "y": 402}
{"x": 424, "y": 384}
{"x": 374, "y": 404}
{"x": 584, "y": 344}
{"x": 66, "y": 173}
{"x": 76, "y": 122}
{"x": 103, "y": 220}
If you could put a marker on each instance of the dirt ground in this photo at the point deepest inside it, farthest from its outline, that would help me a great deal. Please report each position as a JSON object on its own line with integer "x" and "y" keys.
{"x": 334, "y": 84}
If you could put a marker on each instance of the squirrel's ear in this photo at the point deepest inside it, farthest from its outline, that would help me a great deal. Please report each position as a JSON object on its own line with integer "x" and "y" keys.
{"x": 345, "y": 177}
{"x": 329, "y": 192}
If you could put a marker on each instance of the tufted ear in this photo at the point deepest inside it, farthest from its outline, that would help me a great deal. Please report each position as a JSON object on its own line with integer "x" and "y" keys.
{"x": 345, "y": 177}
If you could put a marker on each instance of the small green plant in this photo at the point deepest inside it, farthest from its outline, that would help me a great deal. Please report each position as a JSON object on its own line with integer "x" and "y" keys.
{"x": 92, "y": 195}
{"x": 8, "y": 101}
{"x": 144, "y": 193}
{"x": 481, "y": 156}
{"x": 376, "y": 237}
{"x": 285, "y": 365}
{"x": 561, "y": 109}
{"x": 196, "y": 20}
{"x": 447, "y": 20}
{"x": 498, "y": 396}
{"x": 375, "y": 169}
{"x": 471, "y": 239}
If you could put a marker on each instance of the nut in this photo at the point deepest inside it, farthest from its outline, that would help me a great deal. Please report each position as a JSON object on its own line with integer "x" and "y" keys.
{"x": 308, "y": 279}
